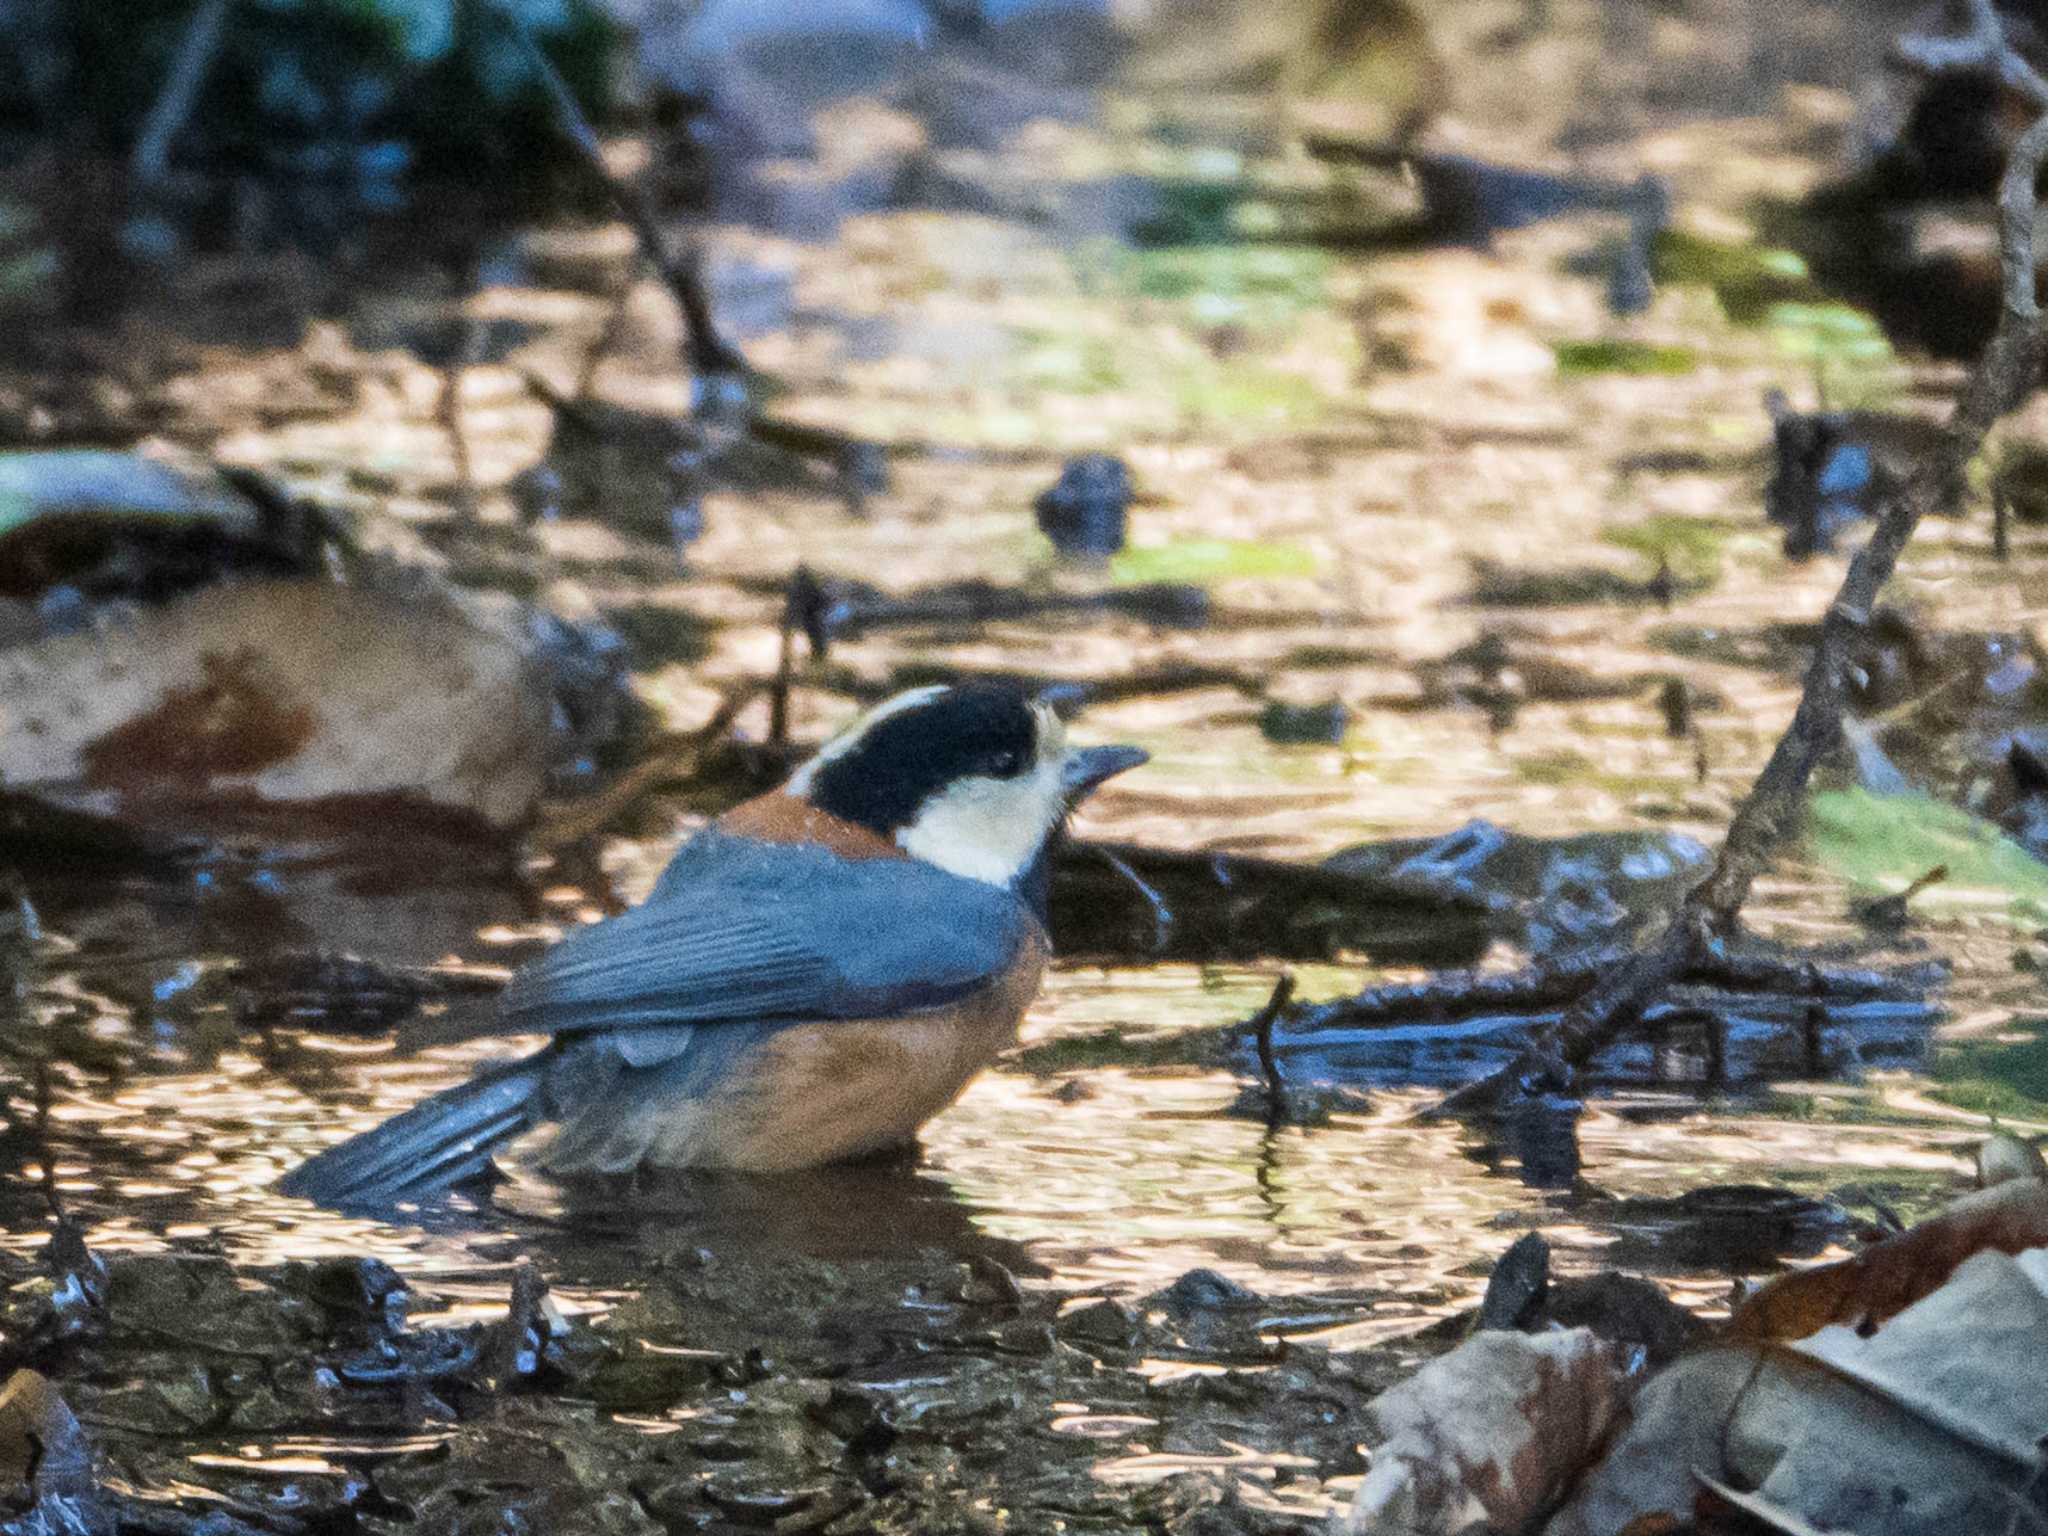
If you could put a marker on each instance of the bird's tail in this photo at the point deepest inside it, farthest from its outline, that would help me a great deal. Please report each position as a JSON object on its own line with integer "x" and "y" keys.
{"x": 433, "y": 1146}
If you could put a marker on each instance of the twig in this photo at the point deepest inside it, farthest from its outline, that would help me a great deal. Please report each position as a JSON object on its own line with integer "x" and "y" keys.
{"x": 804, "y": 611}
{"x": 1559, "y": 982}
{"x": 2002, "y": 379}
{"x": 683, "y": 273}
{"x": 1983, "y": 47}
{"x": 1162, "y": 914}
{"x": 466, "y": 354}
{"x": 1269, "y": 1066}
{"x": 46, "y": 1155}
{"x": 607, "y": 337}
{"x": 674, "y": 757}
{"x": 150, "y": 162}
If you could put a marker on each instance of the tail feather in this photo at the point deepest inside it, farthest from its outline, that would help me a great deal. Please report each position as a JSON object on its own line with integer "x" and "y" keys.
{"x": 433, "y": 1146}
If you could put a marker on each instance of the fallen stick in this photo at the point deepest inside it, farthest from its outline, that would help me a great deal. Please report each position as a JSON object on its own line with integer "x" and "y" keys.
{"x": 1550, "y": 983}
{"x": 2002, "y": 378}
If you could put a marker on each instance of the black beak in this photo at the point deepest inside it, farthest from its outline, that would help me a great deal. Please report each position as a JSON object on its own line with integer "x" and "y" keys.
{"x": 1088, "y": 767}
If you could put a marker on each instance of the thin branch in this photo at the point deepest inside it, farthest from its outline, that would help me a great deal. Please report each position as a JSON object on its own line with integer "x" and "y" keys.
{"x": 1269, "y": 1066}
{"x": 151, "y": 160}
{"x": 683, "y": 273}
{"x": 1984, "y": 47}
{"x": 2004, "y": 376}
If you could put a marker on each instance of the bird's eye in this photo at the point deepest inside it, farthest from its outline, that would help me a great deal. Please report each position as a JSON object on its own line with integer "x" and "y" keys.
{"x": 1006, "y": 764}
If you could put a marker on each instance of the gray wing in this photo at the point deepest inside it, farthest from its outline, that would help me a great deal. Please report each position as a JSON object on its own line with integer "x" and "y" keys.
{"x": 742, "y": 931}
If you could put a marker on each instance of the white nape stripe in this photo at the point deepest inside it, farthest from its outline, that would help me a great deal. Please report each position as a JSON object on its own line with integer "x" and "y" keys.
{"x": 849, "y": 737}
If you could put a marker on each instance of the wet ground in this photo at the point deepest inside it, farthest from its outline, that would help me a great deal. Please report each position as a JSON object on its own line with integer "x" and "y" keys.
{"x": 1369, "y": 460}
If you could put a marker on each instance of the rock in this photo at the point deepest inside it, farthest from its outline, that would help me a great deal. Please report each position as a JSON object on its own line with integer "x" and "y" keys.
{"x": 1304, "y": 724}
{"x": 1625, "y": 1310}
{"x": 163, "y": 1394}
{"x": 1084, "y": 511}
{"x": 986, "y": 1283}
{"x": 1203, "y": 1290}
{"x": 154, "y": 1300}
{"x": 649, "y": 1383}
{"x": 354, "y": 1292}
{"x": 1028, "y": 1336}
{"x": 537, "y": 1466}
{"x": 1516, "y": 1289}
{"x": 861, "y": 1419}
{"x": 1104, "y": 1324}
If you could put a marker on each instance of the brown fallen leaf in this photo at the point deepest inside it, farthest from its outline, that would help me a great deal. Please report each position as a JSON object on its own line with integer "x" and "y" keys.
{"x": 1891, "y": 1275}
{"x": 1931, "y": 1424}
{"x": 1492, "y": 1434}
{"x": 278, "y": 693}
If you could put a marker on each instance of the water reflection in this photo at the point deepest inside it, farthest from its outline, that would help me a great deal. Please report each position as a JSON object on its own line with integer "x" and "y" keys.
{"x": 1114, "y": 1176}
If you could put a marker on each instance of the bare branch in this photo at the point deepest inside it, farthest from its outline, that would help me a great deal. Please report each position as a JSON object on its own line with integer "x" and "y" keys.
{"x": 1984, "y": 47}
{"x": 151, "y": 161}
{"x": 2004, "y": 376}
{"x": 683, "y": 273}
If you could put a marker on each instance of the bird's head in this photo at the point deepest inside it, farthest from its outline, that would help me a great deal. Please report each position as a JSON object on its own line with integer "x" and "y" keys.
{"x": 975, "y": 778}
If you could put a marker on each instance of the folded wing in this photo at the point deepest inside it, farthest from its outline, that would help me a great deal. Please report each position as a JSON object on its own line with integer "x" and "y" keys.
{"x": 743, "y": 931}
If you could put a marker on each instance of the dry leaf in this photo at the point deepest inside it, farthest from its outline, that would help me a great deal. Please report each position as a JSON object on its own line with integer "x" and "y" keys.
{"x": 1491, "y": 1434}
{"x": 1890, "y": 1276}
{"x": 2003, "y": 1156}
{"x": 278, "y": 692}
{"x": 41, "y": 1443}
{"x": 1930, "y": 1427}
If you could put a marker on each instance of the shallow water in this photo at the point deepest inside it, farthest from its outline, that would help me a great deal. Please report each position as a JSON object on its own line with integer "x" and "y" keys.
{"x": 1372, "y": 433}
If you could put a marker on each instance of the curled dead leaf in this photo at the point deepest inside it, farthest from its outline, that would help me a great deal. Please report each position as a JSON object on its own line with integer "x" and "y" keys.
{"x": 1890, "y": 1276}
{"x": 1933, "y": 1424}
{"x": 1492, "y": 1434}
{"x": 2004, "y": 1156}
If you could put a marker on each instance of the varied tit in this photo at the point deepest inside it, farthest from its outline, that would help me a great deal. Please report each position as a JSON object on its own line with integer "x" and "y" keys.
{"x": 816, "y": 974}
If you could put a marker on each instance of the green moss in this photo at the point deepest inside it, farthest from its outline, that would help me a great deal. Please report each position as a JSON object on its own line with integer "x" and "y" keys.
{"x": 1577, "y": 359}
{"x": 1846, "y": 348}
{"x": 1251, "y": 284}
{"x": 2007, "y": 1080}
{"x": 1080, "y": 365}
{"x": 1690, "y": 545}
{"x": 1882, "y": 842}
{"x": 1568, "y": 769}
{"x": 1746, "y": 279}
{"x": 1204, "y": 560}
{"x": 1241, "y": 393}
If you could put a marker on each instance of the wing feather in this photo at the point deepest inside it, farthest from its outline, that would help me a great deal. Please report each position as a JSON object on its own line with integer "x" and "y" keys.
{"x": 762, "y": 931}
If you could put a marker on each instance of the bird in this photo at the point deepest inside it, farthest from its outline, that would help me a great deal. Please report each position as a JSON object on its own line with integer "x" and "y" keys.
{"x": 815, "y": 974}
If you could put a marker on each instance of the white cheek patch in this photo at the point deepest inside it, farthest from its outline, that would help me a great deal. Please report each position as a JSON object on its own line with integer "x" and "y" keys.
{"x": 989, "y": 829}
